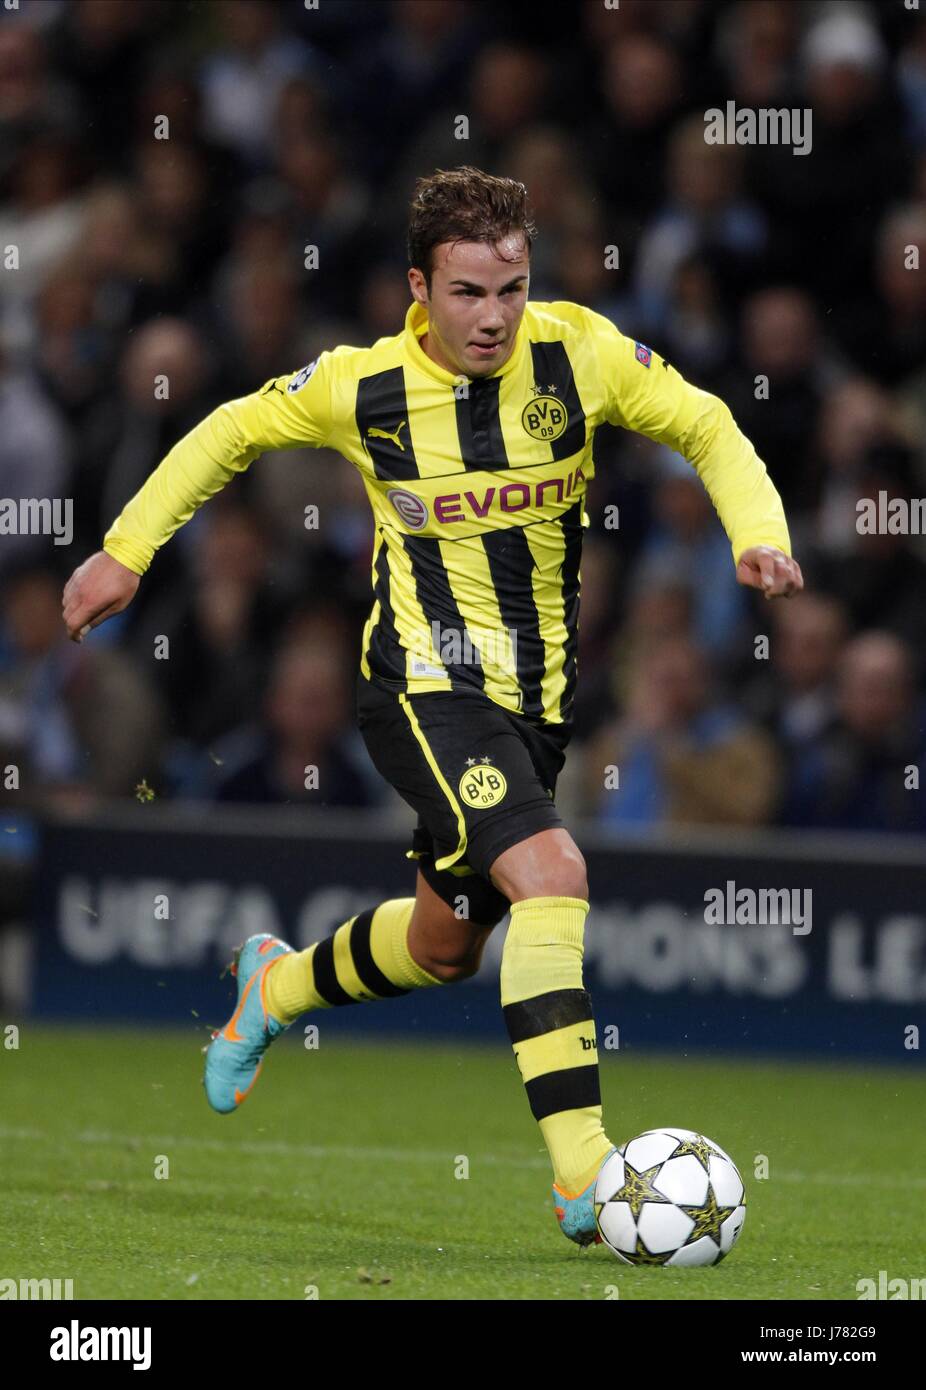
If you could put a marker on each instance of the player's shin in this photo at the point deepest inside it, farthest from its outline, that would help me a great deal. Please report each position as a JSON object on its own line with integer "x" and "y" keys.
{"x": 549, "y": 1018}
{"x": 366, "y": 958}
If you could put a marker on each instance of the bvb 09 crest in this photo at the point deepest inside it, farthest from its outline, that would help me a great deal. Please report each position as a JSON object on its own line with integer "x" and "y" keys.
{"x": 483, "y": 786}
{"x": 544, "y": 418}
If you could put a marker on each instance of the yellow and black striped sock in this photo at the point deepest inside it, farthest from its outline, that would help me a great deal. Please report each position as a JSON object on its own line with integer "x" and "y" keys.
{"x": 550, "y": 1022}
{"x": 366, "y": 958}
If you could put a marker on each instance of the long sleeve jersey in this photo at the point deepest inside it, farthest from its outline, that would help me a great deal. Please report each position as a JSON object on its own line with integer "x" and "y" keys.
{"x": 477, "y": 489}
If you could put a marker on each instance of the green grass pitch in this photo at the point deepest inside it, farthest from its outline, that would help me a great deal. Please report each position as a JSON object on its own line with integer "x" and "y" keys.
{"x": 339, "y": 1173}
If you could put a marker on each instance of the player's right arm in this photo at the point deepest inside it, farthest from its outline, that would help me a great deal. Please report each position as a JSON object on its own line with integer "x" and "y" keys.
{"x": 287, "y": 412}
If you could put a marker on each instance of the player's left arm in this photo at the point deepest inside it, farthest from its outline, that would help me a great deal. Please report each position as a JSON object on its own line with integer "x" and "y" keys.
{"x": 646, "y": 394}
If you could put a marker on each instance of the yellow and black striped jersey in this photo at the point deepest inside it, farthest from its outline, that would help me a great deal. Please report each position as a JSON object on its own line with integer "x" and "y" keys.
{"x": 477, "y": 489}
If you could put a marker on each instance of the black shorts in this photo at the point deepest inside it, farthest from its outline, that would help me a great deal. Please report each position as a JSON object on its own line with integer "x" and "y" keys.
{"x": 481, "y": 779}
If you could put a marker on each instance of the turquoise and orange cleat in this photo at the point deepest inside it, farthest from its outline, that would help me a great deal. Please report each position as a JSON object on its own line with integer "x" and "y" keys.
{"x": 235, "y": 1055}
{"x": 575, "y": 1211}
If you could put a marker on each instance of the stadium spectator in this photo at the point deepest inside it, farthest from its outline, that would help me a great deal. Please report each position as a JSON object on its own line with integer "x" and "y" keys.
{"x": 305, "y": 754}
{"x": 41, "y": 217}
{"x": 687, "y": 539}
{"x": 245, "y": 73}
{"x": 756, "y": 48}
{"x": 885, "y": 333}
{"x": 793, "y": 693}
{"x": 842, "y": 77}
{"x": 863, "y": 772}
{"x": 777, "y": 387}
{"x": 881, "y": 575}
{"x": 641, "y": 91}
{"x": 34, "y": 455}
{"x": 706, "y": 212}
{"x": 681, "y": 754}
{"x": 510, "y": 88}
{"x": 32, "y": 95}
{"x": 699, "y": 334}
{"x": 215, "y": 628}
{"x": 857, "y": 415}
{"x": 80, "y": 722}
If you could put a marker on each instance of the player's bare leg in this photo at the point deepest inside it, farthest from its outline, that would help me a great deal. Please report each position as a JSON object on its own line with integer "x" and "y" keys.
{"x": 548, "y": 864}
{"x": 447, "y": 946}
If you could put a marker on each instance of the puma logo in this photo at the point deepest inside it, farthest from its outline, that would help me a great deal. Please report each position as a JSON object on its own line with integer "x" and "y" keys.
{"x": 374, "y": 431}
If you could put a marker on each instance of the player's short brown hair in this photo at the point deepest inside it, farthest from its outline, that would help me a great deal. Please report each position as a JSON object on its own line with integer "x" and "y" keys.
{"x": 464, "y": 204}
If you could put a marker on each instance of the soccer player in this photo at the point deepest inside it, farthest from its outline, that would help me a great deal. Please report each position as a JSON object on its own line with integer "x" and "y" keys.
{"x": 472, "y": 429}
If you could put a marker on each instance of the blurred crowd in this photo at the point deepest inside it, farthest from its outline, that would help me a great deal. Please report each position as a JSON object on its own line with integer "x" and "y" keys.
{"x": 233, "y": 670}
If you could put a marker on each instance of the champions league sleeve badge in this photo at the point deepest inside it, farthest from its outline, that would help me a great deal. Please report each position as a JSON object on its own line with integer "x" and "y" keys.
{"x": 300, "y": 379}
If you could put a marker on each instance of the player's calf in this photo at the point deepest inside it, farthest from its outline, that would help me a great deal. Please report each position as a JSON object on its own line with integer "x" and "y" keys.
{"x": 448, "y": 946}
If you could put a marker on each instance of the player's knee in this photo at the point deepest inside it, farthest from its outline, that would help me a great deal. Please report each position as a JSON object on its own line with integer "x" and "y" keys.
{"x": 442, "y": 957}
{"x": 457, "y": 960}
{"x": 449, "y": 972}
{"x": 558, "y": 872}
{"x": 568, "y": 877}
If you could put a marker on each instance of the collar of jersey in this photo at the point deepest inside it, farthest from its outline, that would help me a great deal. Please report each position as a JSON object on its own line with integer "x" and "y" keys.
{"x": 416, "y": 323}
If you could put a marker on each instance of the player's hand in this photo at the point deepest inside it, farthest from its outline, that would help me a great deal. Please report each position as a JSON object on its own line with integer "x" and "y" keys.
{"x": 763, "y": 567}
{"x": 98, "y": 589}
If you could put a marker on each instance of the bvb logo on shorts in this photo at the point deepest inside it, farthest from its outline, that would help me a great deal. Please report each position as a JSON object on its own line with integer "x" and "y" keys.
{"x": 482, "y": 786}
{"x": 544, "y": 418}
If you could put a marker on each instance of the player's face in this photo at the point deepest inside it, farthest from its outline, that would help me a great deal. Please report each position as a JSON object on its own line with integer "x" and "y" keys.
{"x": 475, "y": 304}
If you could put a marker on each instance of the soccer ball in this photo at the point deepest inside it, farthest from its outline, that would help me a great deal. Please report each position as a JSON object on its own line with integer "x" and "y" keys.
{"x": 669, "y": 1197}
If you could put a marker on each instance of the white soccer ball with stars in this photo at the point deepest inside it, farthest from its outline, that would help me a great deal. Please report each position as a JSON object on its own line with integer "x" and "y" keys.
{"x": 670, "y": 1197}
